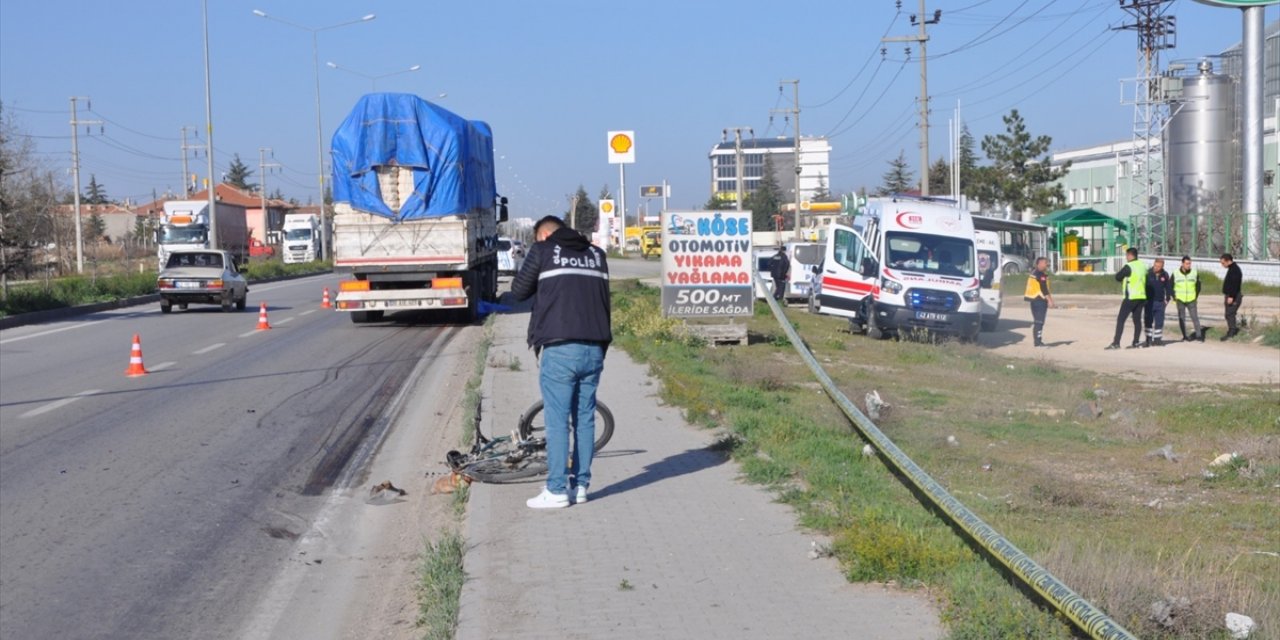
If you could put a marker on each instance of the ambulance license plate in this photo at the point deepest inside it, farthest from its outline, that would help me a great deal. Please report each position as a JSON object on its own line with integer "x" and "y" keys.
{"x": 931, "y": 316}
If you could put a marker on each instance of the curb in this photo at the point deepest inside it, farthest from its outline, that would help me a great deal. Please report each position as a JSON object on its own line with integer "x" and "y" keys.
{"x": 62, "y": 313}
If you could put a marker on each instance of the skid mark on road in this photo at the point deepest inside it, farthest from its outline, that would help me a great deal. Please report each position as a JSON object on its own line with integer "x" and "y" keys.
{"x": 216, "y": 345}
{"x": 57, "y": 404}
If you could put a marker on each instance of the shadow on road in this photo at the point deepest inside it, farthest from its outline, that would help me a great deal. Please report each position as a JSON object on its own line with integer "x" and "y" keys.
{"x": 1004, "y": 335}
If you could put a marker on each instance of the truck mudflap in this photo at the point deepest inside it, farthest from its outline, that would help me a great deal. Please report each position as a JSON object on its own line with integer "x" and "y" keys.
{"x": 401, "y": 300}
{"x": 896, "y": 318}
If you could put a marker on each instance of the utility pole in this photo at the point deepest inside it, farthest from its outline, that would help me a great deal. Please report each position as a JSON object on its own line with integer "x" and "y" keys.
{"x": 794, "y": 112}
{"x": 921, "y": 37}
{"x": 1156, "y": 32}
{"x": 186, "y": 174}
{"x": 75, "y": 172}
{"x": 263, "y": 167}
{"x": 738, "y": 168}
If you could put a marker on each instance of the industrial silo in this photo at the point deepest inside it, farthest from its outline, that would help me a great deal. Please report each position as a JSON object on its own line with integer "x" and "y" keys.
{"x": 1201, "y": 162}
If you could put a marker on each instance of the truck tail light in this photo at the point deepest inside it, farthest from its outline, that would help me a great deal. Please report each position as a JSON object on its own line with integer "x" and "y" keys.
{"x": 454, "y": 302}
{"x": 350, "y": 304}
{"x": 446, "y": 283}
{"x": 353, "y": 285}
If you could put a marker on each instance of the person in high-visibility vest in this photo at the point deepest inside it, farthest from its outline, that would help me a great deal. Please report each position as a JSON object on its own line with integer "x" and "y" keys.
{"x": 1133, "y": 277}
{"x": 1159, "y": 292}
{"x": 1186, "y": 290}
{"x": 1038, "y": 295}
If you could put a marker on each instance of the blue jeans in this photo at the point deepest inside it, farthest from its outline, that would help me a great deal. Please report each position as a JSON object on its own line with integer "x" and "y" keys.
{"x": 569, "y": 376}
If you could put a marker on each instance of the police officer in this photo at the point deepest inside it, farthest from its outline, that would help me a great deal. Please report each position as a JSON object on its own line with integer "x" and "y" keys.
{"x": 1186, "y": 290}
{"x": 780, "y": 269}
{"x": 1133, "y": 278}
{"x": 1159, "y": 292}
{"x": 1038, "y": 295}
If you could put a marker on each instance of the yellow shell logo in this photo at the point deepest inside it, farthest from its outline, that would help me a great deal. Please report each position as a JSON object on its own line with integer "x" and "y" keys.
{"x": 620, "y": 143}
{"x": 607, "y": 207}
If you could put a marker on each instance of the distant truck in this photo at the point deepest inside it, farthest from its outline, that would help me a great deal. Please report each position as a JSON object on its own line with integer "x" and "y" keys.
{"x": 186, "y": 224}
{"x": 301, "y": 237}
{"x": 416, "y": 210}
{"x": 905, "y": 265}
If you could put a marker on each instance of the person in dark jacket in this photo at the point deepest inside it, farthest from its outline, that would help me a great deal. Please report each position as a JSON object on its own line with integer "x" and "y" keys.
{"x": 569, "y": 327}
{"x": 780, "y": 270}
{"x": 1159, "y": 292}
{"x": 1133, "y": 279}
{"x": 1231, "y": 294}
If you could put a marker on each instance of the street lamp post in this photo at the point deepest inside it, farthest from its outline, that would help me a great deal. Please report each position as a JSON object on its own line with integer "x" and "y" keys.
{"x": 315, "y": 61}
{"x": 373, "y": 79}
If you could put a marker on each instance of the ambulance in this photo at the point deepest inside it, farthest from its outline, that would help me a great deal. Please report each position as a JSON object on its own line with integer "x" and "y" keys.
{"x": 904, "y": 267}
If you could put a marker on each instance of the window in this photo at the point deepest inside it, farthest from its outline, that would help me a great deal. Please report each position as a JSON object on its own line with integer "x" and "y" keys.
{"x": 925, "y": 253}
{"x": 1071, "y": 196}
{"x": 1111, "y": 193}
{"x": 1122, "y": 169}
{"x": 1097, "y": 194}
{"x": 849, "y": 250}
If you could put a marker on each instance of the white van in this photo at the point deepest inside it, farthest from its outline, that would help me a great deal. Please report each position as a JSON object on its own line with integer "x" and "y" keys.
{"x": 990, "y": 272}
{"x": 904, "y": 265}
{"x": 805, "y": 257}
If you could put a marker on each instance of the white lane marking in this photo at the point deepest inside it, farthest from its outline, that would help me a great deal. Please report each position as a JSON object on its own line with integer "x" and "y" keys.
{"x": 249, "y": 333}
{"x": 279, "y": 322}
{"x": 51, "y": 331}
{"x": 57, "y": 404}
{"x": 162, "y": 366}
{"x": 307, "y": 312}
{"x": 216, "y": 345}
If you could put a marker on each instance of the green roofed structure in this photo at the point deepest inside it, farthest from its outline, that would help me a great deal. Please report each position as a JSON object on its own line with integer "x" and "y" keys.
{"x": 1086, "y": 240}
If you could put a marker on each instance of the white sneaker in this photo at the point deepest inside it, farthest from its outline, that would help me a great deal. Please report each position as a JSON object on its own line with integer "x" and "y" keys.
{"x": 548, "y": 500}
{"x": 581, "y": 496}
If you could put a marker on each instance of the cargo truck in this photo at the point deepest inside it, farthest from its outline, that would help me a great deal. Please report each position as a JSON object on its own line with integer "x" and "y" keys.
{"x": 301, "y": 237}
{"x": 416, "y": 210}
{"x": 185, "y": 227}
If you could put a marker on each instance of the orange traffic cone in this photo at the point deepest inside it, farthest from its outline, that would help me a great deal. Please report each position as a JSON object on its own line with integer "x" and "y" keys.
{"x": 135, "y": 359}
{"x": 262, "y": 318}
{"x": 324, "y": 302}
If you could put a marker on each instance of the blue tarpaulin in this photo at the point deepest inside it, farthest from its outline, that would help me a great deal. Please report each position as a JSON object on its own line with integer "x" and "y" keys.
{"x": 451, "y": 157}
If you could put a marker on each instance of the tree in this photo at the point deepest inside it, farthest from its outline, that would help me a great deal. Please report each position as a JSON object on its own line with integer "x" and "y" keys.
{"x": 822, "y": 193}
{"x": 238, "y": 175}
{"x": 1020, "y": 175}
{"x": 276, "y": 194}
{"x": 96, "y": 229}
{"x": 968, "y": 157}
{"x": 898, "y": 178}
{"x": 765, "y": 201}
{"x": 716, "y": 203}
{"x": 27, "y": 198}
{"x": 940, "y": 177}
{"x": 605, "y": 194}
{"x": 95, "y": 193}
{"x": 586, "y": 216}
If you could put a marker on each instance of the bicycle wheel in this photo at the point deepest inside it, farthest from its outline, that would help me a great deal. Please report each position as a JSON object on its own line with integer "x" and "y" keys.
{"x": 532, "y": 425}
{"x": 500, "y": 470}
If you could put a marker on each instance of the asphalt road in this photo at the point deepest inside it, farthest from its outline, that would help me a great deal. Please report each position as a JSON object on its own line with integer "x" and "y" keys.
{"x": 162, "y": 506}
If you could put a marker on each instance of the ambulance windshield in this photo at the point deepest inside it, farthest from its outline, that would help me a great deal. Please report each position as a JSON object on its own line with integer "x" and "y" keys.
{"x": 925, "y": 253}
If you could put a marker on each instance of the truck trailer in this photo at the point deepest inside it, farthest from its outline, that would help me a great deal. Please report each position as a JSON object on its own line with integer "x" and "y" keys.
{"x": 185, "y": 227}
{"x": 416, "y": 210}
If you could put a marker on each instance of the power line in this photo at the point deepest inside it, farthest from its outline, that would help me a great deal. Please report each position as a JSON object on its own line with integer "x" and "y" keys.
{"x": 133, "y": 131}
{"x": 979, "y": 39}
{"x": 866, "y": 62}
{"x": 889, "y": 85}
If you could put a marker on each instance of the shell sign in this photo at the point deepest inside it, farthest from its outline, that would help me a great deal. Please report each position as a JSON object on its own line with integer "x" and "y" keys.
{"x": 606, "y": 207}
{"x": 622, "y": 147}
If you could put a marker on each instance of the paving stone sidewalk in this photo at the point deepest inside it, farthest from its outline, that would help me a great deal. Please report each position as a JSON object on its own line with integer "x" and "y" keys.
{"x": 673, "y": 544}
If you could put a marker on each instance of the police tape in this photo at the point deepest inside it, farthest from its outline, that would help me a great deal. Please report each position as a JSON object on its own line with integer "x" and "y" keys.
{"x": 1085, "y": 615}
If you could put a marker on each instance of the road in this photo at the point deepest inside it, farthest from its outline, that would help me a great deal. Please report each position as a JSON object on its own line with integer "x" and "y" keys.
{"x": 164, "y": 506}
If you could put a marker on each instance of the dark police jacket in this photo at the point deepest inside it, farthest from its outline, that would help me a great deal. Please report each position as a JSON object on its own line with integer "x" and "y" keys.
{"x": 568, "y": 279}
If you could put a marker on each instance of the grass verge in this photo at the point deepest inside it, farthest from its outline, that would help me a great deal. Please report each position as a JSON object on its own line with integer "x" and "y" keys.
{"x": 77, "y": 290}
{"x": 440, "y": 578}
{"x": 1081, "y": 494}
{"x": 440, "y": 565}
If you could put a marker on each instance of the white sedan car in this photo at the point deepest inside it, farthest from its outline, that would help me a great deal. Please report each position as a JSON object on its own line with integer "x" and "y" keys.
{"x": 206, "y": 277}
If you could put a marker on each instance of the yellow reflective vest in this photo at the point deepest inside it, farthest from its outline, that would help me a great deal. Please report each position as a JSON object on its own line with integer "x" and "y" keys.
{"x": 1135, "y": 286}
{"x": 1034, "y": 290}
{"x": 1184, "y": 285}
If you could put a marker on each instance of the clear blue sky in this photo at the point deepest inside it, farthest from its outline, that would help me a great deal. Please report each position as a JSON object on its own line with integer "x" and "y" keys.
{"x": 552, "y": 77}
